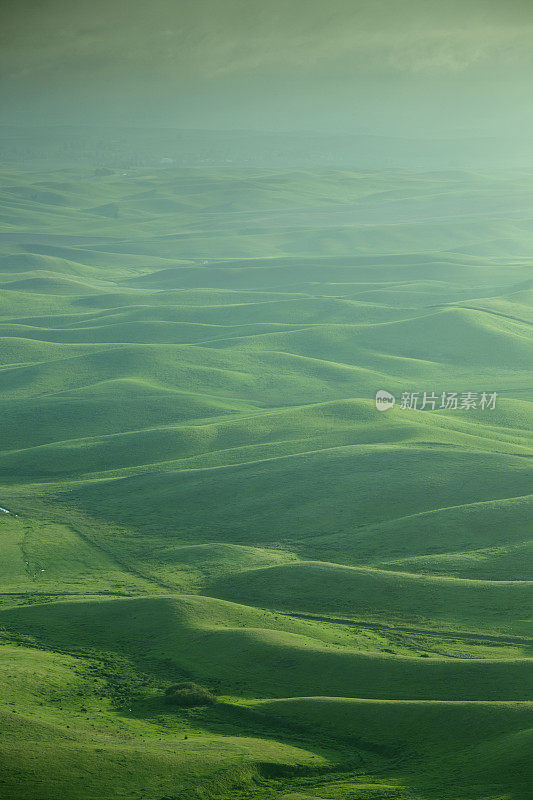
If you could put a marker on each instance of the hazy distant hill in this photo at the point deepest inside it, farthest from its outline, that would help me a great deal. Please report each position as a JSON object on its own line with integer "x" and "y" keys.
{"x": 63, "y": 146}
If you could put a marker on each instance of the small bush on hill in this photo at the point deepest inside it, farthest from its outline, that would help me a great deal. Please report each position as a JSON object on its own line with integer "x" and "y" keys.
{"x": 188, "y": 694}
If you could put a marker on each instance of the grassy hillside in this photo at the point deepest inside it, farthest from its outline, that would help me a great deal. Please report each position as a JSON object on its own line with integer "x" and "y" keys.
{"x": 196, "y": 484}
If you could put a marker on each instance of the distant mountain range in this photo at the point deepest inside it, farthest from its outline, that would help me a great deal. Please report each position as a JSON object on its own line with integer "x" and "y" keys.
{"x": 67, "y": 146}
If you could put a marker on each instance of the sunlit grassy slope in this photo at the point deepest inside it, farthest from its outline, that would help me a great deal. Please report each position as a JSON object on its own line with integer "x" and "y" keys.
{"x": 196, "y": 485}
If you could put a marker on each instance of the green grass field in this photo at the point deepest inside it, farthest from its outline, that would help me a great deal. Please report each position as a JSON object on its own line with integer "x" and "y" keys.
{"x": 196, "y": 484}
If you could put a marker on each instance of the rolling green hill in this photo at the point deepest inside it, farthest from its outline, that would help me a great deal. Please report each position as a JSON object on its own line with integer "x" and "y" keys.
{"x": 196, "y": 484}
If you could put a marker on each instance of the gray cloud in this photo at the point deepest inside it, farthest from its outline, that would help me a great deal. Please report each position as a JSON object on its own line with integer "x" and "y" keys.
{"x": 438, "y": 66}
{"x": 210, "y": 39}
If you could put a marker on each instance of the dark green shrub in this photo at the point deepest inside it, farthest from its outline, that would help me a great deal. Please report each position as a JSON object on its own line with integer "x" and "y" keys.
{"x": 188, "y": 694}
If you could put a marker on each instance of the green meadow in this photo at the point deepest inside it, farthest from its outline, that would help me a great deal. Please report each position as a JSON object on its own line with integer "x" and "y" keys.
{"x": 196, "y": 484}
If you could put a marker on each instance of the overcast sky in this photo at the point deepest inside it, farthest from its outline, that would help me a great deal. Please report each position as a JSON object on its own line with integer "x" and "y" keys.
{"x": 406, "y": 67}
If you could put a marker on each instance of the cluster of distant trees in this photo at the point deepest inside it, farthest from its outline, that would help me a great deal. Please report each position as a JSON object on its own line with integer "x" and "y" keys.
{"x": 188, "y": 694}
